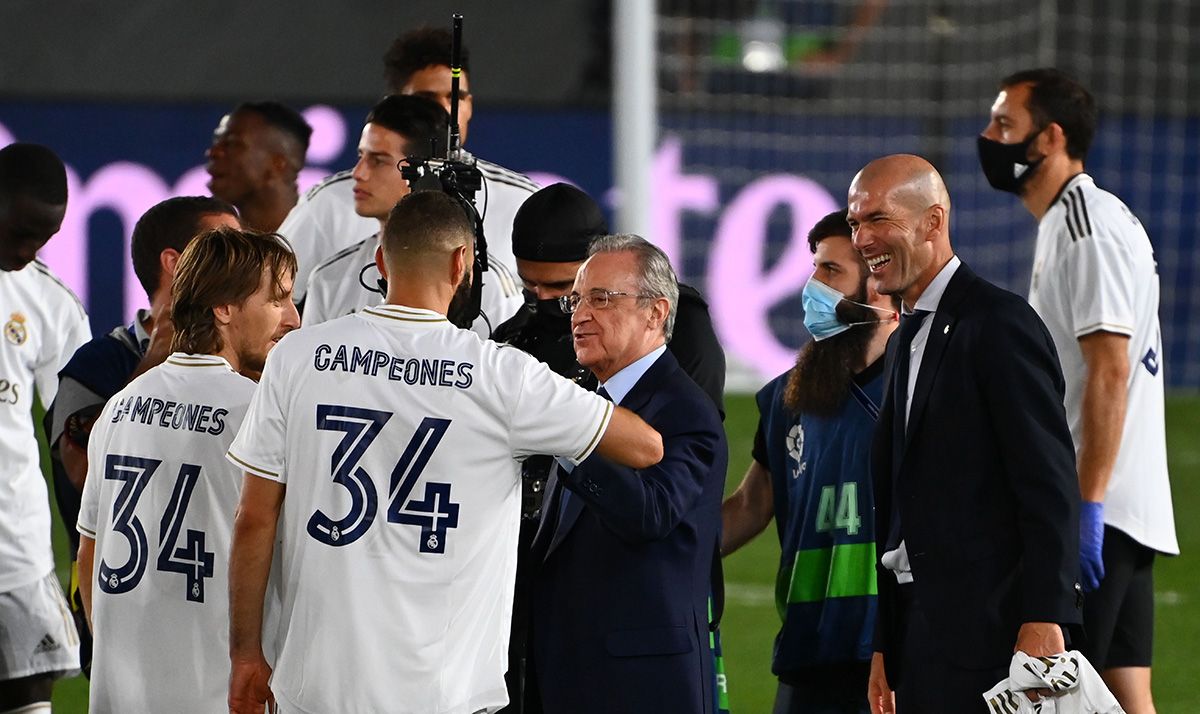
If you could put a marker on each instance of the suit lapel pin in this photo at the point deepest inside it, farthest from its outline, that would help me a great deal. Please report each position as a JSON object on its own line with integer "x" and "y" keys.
{"x": 946, "y": 330}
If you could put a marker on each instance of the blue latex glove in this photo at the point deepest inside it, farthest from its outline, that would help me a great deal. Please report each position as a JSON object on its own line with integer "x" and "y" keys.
{"x": 1091, "y": 544}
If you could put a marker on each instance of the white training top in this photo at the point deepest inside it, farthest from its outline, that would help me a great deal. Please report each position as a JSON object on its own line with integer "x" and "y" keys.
{"x": 335, "y": 289}
{"x": 43, "y": 325}
{"x": 1094, "y": 270}
{"x": 159, "y": 501}
{"x": 398, "y": 436}
{"x": 323, "y": 222}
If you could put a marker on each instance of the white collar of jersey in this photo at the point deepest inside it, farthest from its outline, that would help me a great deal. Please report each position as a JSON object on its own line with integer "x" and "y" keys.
{"x": 403, "y": 313}
{"x": 1079, "y": 178}
{"x": 182, "y": 359}
{"x": 932, "y": 297}
{"x": 623, "y": 381}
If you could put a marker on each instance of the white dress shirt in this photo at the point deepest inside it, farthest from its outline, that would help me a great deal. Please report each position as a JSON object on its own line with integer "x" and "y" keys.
{"x": 897, "y": 560}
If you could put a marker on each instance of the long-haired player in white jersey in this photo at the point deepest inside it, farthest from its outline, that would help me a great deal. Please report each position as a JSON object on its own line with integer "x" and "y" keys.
{"x": 159, "y": 499}
{"x": 397, "y": 437}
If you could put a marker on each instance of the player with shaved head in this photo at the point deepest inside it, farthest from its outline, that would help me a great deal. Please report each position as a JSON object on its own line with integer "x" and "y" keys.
{"x": 384, "y": 446}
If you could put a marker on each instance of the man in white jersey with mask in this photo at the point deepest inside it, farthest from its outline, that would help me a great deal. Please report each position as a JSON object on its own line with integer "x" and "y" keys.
{"x": 324, "y": 220}
{"x": 1095, "y": 284}
{"x": 397, "y": 437}
{"x": 159, "y": 500}
{"x": 42, "y": 324}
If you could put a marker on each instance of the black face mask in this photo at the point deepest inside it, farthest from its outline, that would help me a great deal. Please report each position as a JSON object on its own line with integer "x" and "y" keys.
{"x": 1005, "y": 165}
{"x": 544, "y": 309}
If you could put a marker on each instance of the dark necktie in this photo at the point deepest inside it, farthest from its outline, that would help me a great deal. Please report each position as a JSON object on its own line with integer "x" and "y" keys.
{"x": 910, "y": 324}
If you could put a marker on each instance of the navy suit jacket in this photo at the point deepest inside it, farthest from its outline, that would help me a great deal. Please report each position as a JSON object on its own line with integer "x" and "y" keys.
{"x": 621, "y": 600}
{"x": 986, "y": 486}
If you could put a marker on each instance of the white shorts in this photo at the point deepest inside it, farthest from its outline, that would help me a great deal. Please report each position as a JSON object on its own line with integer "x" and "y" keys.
{"x": 37, "y": 632}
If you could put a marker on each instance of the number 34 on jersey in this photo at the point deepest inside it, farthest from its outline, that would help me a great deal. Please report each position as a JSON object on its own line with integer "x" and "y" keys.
{"x": 433, "y": 513}
{"x": 185, "y": 555}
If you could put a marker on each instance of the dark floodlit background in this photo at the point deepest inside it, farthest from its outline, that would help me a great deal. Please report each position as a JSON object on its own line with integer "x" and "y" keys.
{"x": 766, "y": 109}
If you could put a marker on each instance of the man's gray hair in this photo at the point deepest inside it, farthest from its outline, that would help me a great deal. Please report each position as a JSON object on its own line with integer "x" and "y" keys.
{"x": 655, "y": 278}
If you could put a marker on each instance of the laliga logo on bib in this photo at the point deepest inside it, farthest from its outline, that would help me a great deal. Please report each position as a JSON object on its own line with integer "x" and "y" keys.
{"x": 795, "y": 447}
{"x": 15, "y": 330}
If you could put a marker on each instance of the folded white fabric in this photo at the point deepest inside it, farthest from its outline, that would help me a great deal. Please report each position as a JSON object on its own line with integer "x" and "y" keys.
{"x": 1077, "y": 687}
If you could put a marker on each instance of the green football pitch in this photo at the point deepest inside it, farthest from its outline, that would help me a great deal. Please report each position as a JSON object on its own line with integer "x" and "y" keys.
{"x": 751, "y": 622}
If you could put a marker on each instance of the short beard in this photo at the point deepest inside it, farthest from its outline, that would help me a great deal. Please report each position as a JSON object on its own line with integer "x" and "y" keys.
{"x": 824, "y": 371}
{"x": 460, "y": 302}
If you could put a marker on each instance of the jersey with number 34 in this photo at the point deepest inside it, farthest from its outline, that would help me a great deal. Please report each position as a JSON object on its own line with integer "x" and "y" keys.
{"x": 159, "y": 501}
{"x": 397, "y": 436}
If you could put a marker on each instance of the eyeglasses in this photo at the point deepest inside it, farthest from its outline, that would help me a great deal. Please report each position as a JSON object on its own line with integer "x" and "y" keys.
{"x": 596, "y": 299}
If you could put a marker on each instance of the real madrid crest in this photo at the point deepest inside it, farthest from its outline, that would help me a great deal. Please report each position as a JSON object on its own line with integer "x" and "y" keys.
{"x": 15, "y": 330}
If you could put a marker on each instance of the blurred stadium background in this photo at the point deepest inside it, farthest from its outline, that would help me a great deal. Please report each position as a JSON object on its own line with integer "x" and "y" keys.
{"x": 765, "y": 110}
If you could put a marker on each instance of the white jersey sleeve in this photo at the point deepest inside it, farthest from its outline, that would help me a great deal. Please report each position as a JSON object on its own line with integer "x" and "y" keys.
{"x": 553, "y": 415}
{"x": 1094, "y": 270}
{"x": 1100, "y": 281}
{"x": 503, "y": 193}
{"x": 321, "y": 223}
{"x": 333, "y": 286}
{"x": 72, "y": 332}
{"x": 260, "y": 444}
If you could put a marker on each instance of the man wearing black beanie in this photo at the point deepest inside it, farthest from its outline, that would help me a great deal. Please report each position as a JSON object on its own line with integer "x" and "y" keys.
{"x": 550, "y": 237}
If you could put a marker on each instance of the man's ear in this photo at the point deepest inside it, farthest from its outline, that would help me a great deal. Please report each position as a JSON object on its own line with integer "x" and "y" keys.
{"x": 223, "y": 314}
{"x": 935, "y": 221}
{"x": 167, "y": 260}
{"x": 461, "y": 261}
{"x": 282, "y": 164}
{"x": 659, "y": 309}
{"x": 379, "y": 264}
{"x": 1052, "y": 140}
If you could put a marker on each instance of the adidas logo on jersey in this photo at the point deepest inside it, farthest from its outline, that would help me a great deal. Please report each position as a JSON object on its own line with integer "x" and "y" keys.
{"x": 48, "y": 644}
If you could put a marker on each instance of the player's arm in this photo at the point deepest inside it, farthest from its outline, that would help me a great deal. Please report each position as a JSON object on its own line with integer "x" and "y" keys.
{"x": 1106, "y": 365}
{"x": 1106, "y": 356}
{"x": 85, "y": 559}
{"x": 748, "y": 510}
{"x": 72, "y": 445}
{"x": 646, "y": 504}
{"x": 630, "y": 441}
{"x": 249, "y": 566}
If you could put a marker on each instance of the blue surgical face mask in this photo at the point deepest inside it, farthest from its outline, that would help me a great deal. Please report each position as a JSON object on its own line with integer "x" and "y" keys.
{"x": 820, "y": 311}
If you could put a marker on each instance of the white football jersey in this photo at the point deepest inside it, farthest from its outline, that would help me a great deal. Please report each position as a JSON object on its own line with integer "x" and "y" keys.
{"x": 398, "y": 437}
{"x": 1094, "y": 270}
{"x": 336, "y": 289}
{"x": 159, "y": 501}
{"x": 43, "y": 324}
{"x": 323, "y": 221}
